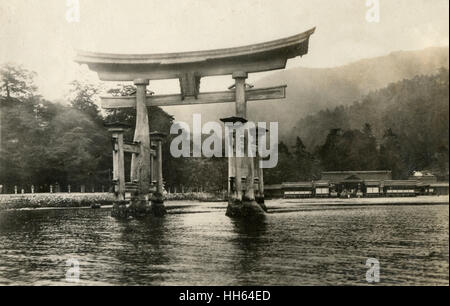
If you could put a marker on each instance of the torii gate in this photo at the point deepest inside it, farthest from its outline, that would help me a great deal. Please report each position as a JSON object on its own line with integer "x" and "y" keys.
{"x": 189, "y": 68}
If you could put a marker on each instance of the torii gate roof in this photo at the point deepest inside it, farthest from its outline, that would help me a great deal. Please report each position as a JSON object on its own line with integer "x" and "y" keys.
{"x": 190, "y": 65}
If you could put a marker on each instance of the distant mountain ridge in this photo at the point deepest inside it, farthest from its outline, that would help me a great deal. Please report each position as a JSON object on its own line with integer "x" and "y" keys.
{"x": 314, "y": 89}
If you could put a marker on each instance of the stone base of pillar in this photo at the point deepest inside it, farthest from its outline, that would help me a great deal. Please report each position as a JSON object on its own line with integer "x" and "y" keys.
{"x": 158, "y": 209}
{"x": 139, "y": 208}
{"x": 120, "y": 210}
{"x": 260, "y": 201}
{"x": 136, "y": 208}
{"x": 244, "y": 209}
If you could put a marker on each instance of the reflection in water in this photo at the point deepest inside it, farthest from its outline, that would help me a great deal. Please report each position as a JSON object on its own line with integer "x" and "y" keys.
{"x": 196, "y": 244}
{"x": 249, "y": 244}
{"x": 144, "y": 251}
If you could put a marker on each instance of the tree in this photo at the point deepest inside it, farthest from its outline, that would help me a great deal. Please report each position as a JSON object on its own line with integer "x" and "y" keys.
{"x": 285, "y": 170}
{"x": 304, "y": 162}
{"x": 76, "y": 149}
{"x": 19, "y": 142}
{"x": 330, "y": 152}
{"x": 390, "y": 155}
{"x": 83, "y": 96}
{"x": 349, "y": 150}
{"x": 16, "y": 82}
{"x": 43, "y": 142}
{"x": 369, "y": 150}
{"x": 21, "y": 133}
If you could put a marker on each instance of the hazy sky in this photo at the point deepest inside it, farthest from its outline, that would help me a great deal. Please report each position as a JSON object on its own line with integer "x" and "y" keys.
{"x": 35, "y": 33}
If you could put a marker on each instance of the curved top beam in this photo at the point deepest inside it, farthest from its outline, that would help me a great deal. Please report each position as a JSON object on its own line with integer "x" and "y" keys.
{"x": 252, "y": 58}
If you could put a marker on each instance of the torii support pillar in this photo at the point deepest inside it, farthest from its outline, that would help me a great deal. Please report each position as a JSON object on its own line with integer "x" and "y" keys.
{"x": 234, "y": 163}
{"x": 259, "y": 197}
{"x": 157, "y": 198}
{"x": 117, "y": 130}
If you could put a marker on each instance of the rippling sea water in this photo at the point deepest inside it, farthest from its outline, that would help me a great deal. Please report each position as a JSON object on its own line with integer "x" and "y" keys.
{"x": 196, "y": 244}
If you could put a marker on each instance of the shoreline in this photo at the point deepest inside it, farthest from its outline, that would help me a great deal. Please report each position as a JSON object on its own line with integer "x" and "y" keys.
{"x": 419, "y": 200}
{"x": 84, "y": 200}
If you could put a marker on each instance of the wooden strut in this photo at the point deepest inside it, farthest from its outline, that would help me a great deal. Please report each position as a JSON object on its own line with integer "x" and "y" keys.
{"x": 121, "y": 147}
{"x": 132, "y": 147}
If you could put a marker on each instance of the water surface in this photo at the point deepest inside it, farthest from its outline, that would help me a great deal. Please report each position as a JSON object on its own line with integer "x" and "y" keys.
{"x": 196, "y": 244}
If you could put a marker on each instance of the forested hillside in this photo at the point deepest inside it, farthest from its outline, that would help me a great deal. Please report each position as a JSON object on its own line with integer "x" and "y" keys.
{"x": 402, "y": 127}
{"x": 45, "y": 143}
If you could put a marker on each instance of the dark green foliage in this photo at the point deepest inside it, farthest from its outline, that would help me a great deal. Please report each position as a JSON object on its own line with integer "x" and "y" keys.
{"x": 403, "y": 127}
{"x": 390, "y": 155}
{"x": 83, "y": 96}
{"x": 293, "y": 165}
{"x": 349, "y": 150}
{"x": 45, "y": 143}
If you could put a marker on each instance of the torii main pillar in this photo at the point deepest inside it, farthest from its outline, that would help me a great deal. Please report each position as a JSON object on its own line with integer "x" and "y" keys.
{"x": 140, "y": 164}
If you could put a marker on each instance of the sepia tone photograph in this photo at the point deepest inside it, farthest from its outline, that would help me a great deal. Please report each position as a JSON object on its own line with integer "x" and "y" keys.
{"x": 216, "y": 145}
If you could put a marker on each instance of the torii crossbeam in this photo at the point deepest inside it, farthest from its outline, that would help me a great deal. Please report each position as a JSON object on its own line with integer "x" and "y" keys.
{"x": 189, "y": 68}
{"x": 116, "y": 102}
